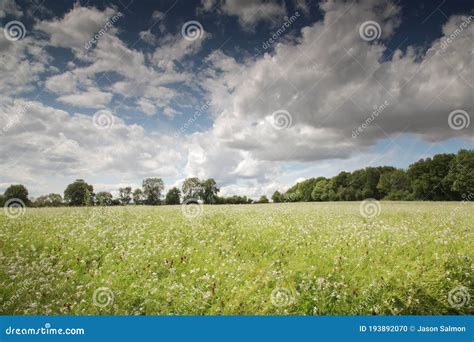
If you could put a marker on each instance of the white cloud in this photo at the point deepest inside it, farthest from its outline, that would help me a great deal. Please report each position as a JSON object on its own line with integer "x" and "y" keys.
{"x": 158, "y": 15}
{"x": 9, "y": 7}
{"x": 330, "y": 89}
{"x": 145, "y": 78}
{"x": 173, "y": 48}
{"x": 92, "y": 98}
{"x": 146, "y": 106}
{"x": 77, "y": 27}
{"x": 248, "y": 12}
{"x": 62, "y": 84}
{"x": 22, "y": 63}
{"x": 48, "y": 141}
{"x": 148, "y": 37}
{"x": 149, "y": 85}
{"x": 329, "y": 80}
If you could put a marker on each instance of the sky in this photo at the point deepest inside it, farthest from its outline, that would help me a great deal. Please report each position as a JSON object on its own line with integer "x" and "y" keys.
{"x": 255, "y": 94}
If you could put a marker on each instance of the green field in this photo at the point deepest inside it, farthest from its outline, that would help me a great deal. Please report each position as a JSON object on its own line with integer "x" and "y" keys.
{"x": 301, "y": 258}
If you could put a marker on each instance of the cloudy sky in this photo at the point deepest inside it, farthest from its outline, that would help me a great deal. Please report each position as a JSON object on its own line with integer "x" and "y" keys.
{"x": 255, "y": 94}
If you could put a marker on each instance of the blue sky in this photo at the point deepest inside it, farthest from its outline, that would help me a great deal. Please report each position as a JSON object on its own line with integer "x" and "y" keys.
{"x": 116, "y": 91}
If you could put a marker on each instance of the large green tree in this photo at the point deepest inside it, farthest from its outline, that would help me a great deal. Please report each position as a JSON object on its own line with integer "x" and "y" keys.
{"x": 276, "y": 197}
{"x": 461, "y": 173}
{"x": 104, "y": 198}
{"x": 394, "y": 185}
{"x": 173, "y": 196}
{"x": 320, "y": 190}
{"x": 152, "y": 190}
{"x": 429, "y": 178}
{"x": 209, "y": 191}
{"x": 51, "y": 200}
{"x": 192, "y": 189}
{"x": 138, "y": 197}
{"x": 79, "y": 193}
{"x": 18, "y": 191}
{"x": 125, "y": 195}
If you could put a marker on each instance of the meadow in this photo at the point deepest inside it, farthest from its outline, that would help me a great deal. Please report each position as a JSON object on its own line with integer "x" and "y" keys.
{"x": 260, "y": 259}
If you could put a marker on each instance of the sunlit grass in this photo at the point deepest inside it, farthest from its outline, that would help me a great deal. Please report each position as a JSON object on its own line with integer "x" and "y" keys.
{"x": 325, "y": 258}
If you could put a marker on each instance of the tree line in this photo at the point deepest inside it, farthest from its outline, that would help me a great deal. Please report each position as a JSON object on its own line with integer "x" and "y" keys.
{"x": 443, "y": 177}
{"x": 80, "y": 193}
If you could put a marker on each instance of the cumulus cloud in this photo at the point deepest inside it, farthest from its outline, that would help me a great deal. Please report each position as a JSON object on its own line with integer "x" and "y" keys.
{"x": 93, "y": 98}
{"x": 63, "y": 83}
{"x": 9, "y": 7}
{"x": 22, "y": 63}
{"x": 248, "y": 12}
{"x": 77, "y": 26}
{"x": 45, "y": 141}
{"x": 149, "y": 84}
{"x": 148, "y": 37}
{"x": 327, "y": 78}
{"x": 329, "y": 81}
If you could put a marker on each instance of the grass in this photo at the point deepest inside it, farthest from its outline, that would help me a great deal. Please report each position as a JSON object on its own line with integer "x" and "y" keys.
{"x": 300, "y": 258}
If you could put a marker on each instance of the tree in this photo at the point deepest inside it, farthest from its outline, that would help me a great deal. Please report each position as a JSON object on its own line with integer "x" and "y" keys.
{"x": 292, "y": 195}
{"x": 461, "y": 173}
{"x": 2, "y": 200}
{"x": 305, "y": 188}
{"x": 173, "y": 196}
{"x": 192, "y": 189}
{"x": 79, "y": 193}
{"x": 104, "y": 198}
{"x": 429, "y": 178}
{"x": 394, "y": 185}
{"x": 209, "y": 191}
{"x": 125, "y": 195}
{"x": 152, "y": 190}
{"x": 276, "y": 197}
{"x": 320, "y": 190}
{"x": 439, "y": 170}
{"x": 138, "y": 196}
{"x": 234, "y": 200}
{"x": 18, "y": 191}
{"x": 263, "y": 199}
{"x": 51, "y": 200}
{"x": 372, "y": 179}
